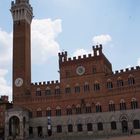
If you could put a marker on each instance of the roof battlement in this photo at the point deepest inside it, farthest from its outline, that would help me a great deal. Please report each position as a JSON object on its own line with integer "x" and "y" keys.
{"x": 127, "y": 70}
{"x": 45, "y": 83}
{"x": 97, "y": 51}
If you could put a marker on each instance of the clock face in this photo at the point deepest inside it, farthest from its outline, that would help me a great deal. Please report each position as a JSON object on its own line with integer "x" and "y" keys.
{"x": 80, "y": 70}
{"x": 18, "y": 82}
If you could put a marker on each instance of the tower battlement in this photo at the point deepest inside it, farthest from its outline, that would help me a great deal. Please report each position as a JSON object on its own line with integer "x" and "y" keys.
{"x": 97, "y": 51}
{"x": 127, "y": 70}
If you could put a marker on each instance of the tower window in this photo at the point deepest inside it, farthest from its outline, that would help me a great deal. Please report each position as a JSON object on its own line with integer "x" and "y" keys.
{"x": 98, "y": 108}
{"x": 109, "y": 85}
{"x": 86, "y": 88}
{"x": 47, "y": 92}
{"x": 77, "y": 89}
{"x": 38, "y": 92}
{"x": 119, "y": 82}
{"x": 68, "y": 90}
{"x": 122, "y": 105}
{"x": 57, "y": 91}
{"x": 111, "y": 106}
{"x": 58, "y": 112}
{"x": 134, "y": 104}
{"x": 131, "y": 80}
{"x": 96, "y": 87}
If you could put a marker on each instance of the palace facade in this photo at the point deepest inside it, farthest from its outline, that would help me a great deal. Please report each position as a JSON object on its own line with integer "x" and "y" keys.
{"x": 88, "y": 99}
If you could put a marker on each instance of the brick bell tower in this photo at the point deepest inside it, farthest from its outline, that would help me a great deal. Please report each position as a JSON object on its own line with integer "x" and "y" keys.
{"x": 22, "y": 14}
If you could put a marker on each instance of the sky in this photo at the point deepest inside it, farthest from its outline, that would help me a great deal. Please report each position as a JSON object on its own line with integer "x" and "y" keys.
{"x": 73, "y": 26}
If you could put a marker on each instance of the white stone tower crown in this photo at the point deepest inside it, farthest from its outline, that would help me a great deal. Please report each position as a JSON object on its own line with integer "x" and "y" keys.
{"x": 21, "y": 10}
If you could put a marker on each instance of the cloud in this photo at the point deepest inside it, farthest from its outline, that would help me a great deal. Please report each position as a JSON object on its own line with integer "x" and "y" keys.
{"x": 44, "y": 34}
{"x": 5, "y": 48}
{"x": 80, "y": 52}
{"x": 101, "y": 39}
{"x": 5, "y": 89}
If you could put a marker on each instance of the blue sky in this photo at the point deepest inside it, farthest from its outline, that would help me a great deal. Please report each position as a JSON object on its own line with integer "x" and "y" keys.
{"x": 73, "y": 26}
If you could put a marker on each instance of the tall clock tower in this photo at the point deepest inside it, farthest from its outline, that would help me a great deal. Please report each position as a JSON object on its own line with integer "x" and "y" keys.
{"x": 22, "y": 14}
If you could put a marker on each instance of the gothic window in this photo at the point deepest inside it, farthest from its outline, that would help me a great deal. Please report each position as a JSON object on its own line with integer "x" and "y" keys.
{"x": 39, "y": 112}
{"x": 111, "y": 106}
{"x": 77, "y": 89}
{"x": 94, "y": 70}
{"x": 57, "y": 90}
{"x": 48, "y": 111}
{"x": 89, "y": 127}
{"x": 67, "y": 90}
{"x": 98, "y": 107}
{"x": 88, "y": 108}
{"x": 47, "y": 91}
{"x": 122, "y": 105}
{"x": 79, "y": 127}
{"x": 113, "y": 125}
{"x": 119, "y": 82}
{"x": 109, "y": 84}
{"x": 58, "y": 111}
{"x": 96, "y": 86}
{"x": 59, "y": 129}
{"x": 78, "y": 109}
{"x": 70, "y": 128}
{"x": 69, "y": 110}
{"x": 100, "y": 126}
{"x": 131, "y": 80}
{"x": 134, "y": 103}
{"x": 136, "y": 124}
{"x": 38, "y": 92}
{"x": 86, "y": 87}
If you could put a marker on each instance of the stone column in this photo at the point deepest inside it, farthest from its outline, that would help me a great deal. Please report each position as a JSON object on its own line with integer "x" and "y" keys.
{"x": 21, "y": 130}
{"x": 6, "y": 130}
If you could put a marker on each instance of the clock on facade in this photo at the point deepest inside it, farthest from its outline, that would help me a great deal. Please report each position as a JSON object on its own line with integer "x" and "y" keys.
{"x": 18, "y": 82}
{"x": 80, "y": 70}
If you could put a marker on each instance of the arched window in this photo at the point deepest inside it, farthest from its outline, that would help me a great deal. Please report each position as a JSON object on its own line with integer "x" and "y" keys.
{"x": 78, "y": 109}
{"x": 59, "y": 129}
{"x": 111, "y": 106}
{"x": 89, "y": 127}
{"x": 131, "y": 80}
{"x": 113, "y": 125}
{"x": 100, "y": 126}
{"x": 79, "y": 127}
{"x": 134, "y": 103}
{"x": 96, "y": 86}
{"x": 109, "y": 84}
{"x": 70, "y": 128}
{"x": 119, "y": 82}
{"x": 38, "y": 92}
{"x": 69, "y": 110}
{"x": 48, "y": 111}
{"x": 88, "y": 108}
{"x": 136, "y": 124}
{"x": 68, "y": 89}
{"x": 57, "y": 90}
{"x": 98, "y": 107}
{"x": 86, "y": 87}
{"x": 77, "y": 88}
{"x": 122, "y": 105}
{"x": 58, "y": 111}
{"x": 48, "y": 91}
{"x": 39, "y": 112}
